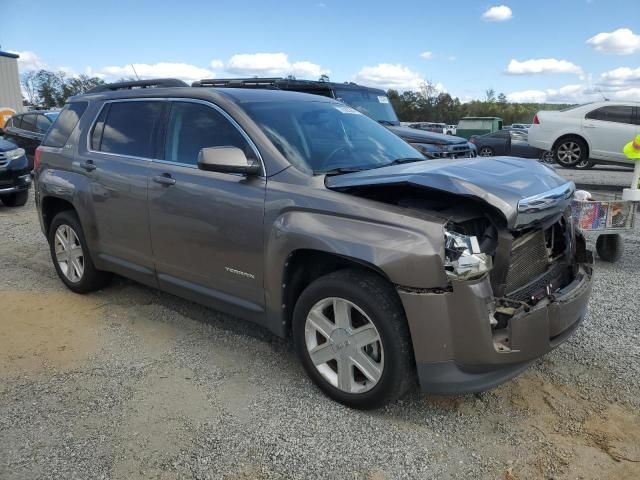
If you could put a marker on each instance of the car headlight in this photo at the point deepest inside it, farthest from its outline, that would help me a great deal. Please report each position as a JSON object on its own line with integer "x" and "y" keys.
{"x": 13, "y": 154}
{"x": 463, "y": 259}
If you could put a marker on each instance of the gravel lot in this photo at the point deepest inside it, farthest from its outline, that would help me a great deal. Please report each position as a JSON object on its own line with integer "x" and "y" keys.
{"x": 133, "y": 383}
{"x": 603, "y": 175}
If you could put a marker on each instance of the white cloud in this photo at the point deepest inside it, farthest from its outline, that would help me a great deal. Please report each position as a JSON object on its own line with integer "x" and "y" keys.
{"x": 216, "y": 64}
{"x": 542, "y": 65}
{"x": 498, "y": 13}
{"x": 386, "y": 75}
{"x": 452, "y": 58}
{"x": 183, "y": 71}
{"x": 426, "y": 55}
{"x": 621, "y": 77}
{"x": 272, "y": 64}
{"x": 29, "y": 61}
{"x": 619, "y": 42}
{"x": 575, "y": 93}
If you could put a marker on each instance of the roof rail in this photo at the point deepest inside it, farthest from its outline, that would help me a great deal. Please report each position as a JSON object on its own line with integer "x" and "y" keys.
{"x": 237, "y": 82}
{"x": 153, "y": 83}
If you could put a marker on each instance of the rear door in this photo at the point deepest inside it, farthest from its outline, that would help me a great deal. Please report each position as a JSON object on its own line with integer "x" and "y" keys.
{"x": 609, "y": 129}
{"x": 206, "y": 227}
{"x": 121, "y": 145}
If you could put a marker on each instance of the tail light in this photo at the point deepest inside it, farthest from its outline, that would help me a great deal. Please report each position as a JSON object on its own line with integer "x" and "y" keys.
{"x": 36, "y": 158}
{"x": 536, "y": 121}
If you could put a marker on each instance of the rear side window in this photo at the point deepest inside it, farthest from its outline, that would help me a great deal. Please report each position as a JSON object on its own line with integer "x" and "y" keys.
{"x": 193, "y": 126}
{"x": 60, "y": 131}
{"x": 42, "y": 124}
{"x": 613, "y": 113}
{"x": 129, "y": 127}
{"x": 28, "y": 123}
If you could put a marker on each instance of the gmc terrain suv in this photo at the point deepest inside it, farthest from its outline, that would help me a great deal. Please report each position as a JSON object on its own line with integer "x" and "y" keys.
{"x": 302, "y": 214}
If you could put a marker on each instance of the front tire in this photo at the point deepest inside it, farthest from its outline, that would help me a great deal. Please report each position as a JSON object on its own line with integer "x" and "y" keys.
{"x": 352, "y": 337}
{"x": 17, "y": 199}
{"x": 570, "y": 151}
{"x": 485, "y": 152}
{"x": 71, "y": 256}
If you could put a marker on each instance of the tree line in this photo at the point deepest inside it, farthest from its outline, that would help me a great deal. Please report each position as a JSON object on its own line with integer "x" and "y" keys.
{"x": 47, "y": 89}
{"x": 431, "y": 105}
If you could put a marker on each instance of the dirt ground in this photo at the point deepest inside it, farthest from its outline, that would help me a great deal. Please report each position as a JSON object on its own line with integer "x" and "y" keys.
{"x": 131, "y": 383}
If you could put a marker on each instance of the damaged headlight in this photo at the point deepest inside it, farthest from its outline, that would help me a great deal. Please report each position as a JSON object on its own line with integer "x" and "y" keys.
{"x": 463, "y": 259}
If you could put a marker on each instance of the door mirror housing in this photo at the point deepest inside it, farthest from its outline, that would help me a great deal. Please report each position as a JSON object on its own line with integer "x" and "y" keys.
{"x": 227, "y": 160}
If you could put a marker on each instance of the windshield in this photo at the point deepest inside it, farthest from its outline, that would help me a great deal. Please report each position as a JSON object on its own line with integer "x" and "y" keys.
{"x": 375, "y": 105}
{"x": 325, "y": 136}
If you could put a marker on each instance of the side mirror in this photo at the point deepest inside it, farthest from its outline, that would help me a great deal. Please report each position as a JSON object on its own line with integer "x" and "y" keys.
{"x": 227, "y": 160}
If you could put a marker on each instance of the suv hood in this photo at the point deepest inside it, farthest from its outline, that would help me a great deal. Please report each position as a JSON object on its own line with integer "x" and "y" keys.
{"x": 6, "y": 145}
{"x": 523, "y": 190}
{"x": 414, "y": 135}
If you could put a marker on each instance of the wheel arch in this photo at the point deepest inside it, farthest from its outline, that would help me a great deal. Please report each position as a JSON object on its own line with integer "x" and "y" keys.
{"x": 50, "y": 207}
{"x": 565, "y": 136}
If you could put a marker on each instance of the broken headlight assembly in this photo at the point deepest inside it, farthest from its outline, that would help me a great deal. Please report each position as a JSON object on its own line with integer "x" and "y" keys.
{"x": 463, "y": 259}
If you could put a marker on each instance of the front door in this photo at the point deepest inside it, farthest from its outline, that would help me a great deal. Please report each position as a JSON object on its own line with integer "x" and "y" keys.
{"x": 206, "y": 227}
{"x": 120, "y": 147}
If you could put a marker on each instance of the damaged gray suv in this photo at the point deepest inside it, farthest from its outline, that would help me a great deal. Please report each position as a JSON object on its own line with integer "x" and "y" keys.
{"x": 301, "y": 214}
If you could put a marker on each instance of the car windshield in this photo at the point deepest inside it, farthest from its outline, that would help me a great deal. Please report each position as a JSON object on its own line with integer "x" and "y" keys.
{"x": 373, "y": 104}
{"x": 328, "y": 136}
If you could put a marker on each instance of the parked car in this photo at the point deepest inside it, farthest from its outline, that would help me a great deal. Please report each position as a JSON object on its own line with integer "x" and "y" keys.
{"x": 517, "y": 126}
{"x": 300, "y": 213}
{"x": 470, "y": 126}
{"x": 27, "y": 129}
{"x": 451, "y": 129}
{"x": 373, "y": 102}
{"x": 15, "y": 177}
{"x": 508, "y": 142}
{"x": 588, "y": 134}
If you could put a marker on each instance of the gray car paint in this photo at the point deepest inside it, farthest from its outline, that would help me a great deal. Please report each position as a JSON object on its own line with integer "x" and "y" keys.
{"x": 217, "y": 222}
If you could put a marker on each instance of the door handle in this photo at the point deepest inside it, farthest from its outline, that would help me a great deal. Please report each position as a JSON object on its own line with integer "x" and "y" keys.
{"x": 589, "y": 125}
{"x": 164, "y": 179}
{"x": 89, "y": 166}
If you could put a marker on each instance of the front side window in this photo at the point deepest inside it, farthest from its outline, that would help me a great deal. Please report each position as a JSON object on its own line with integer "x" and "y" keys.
{"x": 193, "y": 126}
{"x": 64, "y": 124}
{"x": 129, "y": 128}
{"x": 613, "y": 113}
{"x": 28, "y": 123}
{"x": 323, "y": 136}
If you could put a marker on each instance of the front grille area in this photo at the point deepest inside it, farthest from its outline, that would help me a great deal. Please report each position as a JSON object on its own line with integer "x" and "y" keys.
{"x": 553, "y": 278}
{"x": 529, "y": 260}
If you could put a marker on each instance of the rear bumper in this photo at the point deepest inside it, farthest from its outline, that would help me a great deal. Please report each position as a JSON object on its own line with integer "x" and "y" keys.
{"x": 456, "y": 349}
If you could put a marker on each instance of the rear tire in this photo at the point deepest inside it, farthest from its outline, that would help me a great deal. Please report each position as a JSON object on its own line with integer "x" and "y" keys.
{"x": 17, "y": 199}
{"x": 610, "y": 247}
{"x": 570, "y": 151}
{"x": 375, "y": 309}
{"x": 71, "y": 256}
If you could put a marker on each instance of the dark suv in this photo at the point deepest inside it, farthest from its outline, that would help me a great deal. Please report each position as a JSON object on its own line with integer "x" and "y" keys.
{"x": 373, "y": 102}
{"x": 302, "y": 214}
{"x": 27, "y": 130}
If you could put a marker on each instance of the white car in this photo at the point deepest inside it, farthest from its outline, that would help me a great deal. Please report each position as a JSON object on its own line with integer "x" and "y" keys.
{"x": 451, "y": 129}
{"x": 588, "y": 134}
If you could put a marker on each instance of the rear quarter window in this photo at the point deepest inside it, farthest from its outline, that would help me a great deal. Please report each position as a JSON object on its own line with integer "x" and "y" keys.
{"x": 65, "y": 123}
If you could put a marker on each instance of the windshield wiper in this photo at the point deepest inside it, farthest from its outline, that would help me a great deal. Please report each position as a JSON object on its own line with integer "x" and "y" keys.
{"x": 387, "y": 122}
{"x": 341, "y": 170}
{"x": 398, "y": 161}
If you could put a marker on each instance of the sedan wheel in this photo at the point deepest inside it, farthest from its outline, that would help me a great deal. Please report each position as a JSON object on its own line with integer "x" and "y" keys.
{"x": 485, "y": 152}
{"x": 344, "y": 345}
{"x": 69, "y": 255}
{"x": 547, "y": 157}
{"x": 571, "y": 152}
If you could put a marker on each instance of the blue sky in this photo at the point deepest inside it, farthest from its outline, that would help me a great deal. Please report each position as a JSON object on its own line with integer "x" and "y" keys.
{"x": 561, "y": 50}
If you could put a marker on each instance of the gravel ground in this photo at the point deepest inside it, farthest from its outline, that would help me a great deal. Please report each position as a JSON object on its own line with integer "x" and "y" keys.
{"x": 616, "y": 177}
{"x": 132, "y": 383}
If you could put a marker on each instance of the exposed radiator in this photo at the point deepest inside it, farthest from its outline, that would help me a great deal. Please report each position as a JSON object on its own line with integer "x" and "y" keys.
{"x": 529, "y": 259}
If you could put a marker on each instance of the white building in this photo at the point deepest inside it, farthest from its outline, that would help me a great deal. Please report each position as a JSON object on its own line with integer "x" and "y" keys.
{"x": 10, "y": 94}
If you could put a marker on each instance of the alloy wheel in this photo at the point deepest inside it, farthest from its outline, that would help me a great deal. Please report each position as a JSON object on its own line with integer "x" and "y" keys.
{"x": 485, "y": 152}
{"x": 547, "y": 157}
{"x": 69, "y": 253}
{"x": 344, "y": 345}
{"x": 569, "y": 152}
